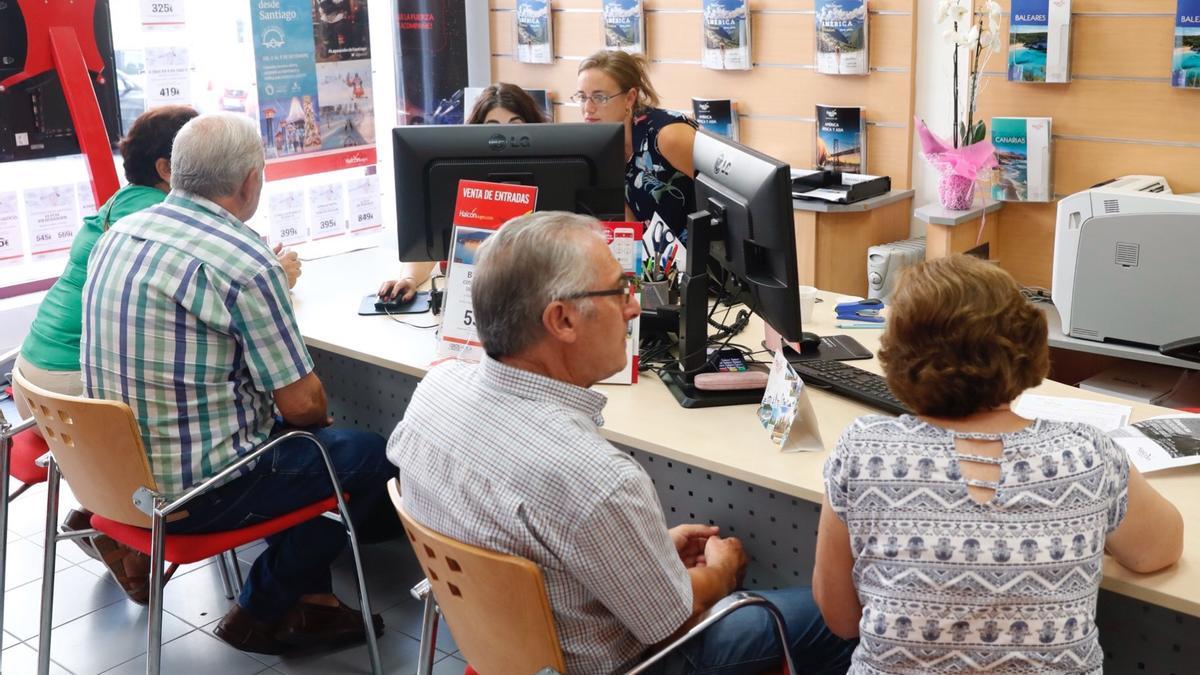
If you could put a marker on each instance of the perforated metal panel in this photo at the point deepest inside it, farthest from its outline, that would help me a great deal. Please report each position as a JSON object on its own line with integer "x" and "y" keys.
{"x": 362, "y": 395}
{"x": 778, "y": 531}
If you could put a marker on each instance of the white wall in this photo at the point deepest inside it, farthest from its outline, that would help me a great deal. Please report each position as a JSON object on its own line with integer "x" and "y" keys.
{"x": 934, "y": 101}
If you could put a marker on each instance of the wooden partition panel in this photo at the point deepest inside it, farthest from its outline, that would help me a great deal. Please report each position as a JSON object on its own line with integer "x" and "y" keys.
{"x": 776, "y": 98}
{"x": 1118, "y": 116}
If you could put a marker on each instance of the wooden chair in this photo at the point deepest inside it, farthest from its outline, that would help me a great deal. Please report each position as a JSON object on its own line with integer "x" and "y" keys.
{"x": 498, "y": 610}
{"x": 98, "y": 448}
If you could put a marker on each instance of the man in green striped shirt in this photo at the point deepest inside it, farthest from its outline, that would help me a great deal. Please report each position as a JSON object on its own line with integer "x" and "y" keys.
{"x": 187, "y": 319}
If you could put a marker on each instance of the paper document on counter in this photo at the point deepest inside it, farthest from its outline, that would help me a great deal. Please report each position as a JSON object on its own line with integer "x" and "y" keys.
{"x": 1163, "y": 442}
{"x": 1105, "y": 416}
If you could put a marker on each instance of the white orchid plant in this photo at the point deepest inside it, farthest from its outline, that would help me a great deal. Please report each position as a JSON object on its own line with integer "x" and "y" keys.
{"x": 978, "y": 35}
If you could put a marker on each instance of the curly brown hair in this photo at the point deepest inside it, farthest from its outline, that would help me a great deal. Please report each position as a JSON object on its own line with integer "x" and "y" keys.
{"x": 150, "y": 138}
{"x": 510, "y": 97}
{"x": 961, "y": 338}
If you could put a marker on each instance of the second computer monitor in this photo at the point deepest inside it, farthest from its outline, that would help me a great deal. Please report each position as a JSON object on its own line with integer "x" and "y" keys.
{"x": 749, "y": 197}
{"x": 576, "y": 167}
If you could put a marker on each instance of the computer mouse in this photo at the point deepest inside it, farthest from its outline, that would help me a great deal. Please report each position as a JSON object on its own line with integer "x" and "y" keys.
{"x": 809, "y": 343}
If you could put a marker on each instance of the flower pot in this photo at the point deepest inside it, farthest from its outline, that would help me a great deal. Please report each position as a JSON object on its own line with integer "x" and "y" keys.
{"x": 956, "y": 192}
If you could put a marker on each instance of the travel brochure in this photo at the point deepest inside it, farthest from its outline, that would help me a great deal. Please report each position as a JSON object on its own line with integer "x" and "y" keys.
{"x": 726, "y": 35}
{"x": 1163, "y": 442}
{"x": 534, "y": 32}
{"x": 718, "y": 115}
{"x": 1023, "y": 156}
{"x": 1039, "y": 41}
{"x": 841, "y": 37}
{"x": 624, "y": 25}
{"x": 1185, "y": 61}
{"x": 841, "y": 136}
{"x": 786, "y": 412}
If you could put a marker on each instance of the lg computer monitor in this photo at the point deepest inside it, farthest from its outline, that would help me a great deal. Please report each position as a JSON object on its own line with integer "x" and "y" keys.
{"x": 749, "y": 197}
{"x": 744, "y": 223}
{"x": 576, "y": 167}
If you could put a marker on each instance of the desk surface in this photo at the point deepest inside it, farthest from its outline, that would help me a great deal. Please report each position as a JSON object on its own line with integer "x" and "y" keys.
{"x": 729, "y": 441}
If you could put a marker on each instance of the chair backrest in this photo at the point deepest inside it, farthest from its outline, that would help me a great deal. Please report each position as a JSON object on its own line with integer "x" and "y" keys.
{"x": 495, "y": 604}
{"x": 98, "y": 448}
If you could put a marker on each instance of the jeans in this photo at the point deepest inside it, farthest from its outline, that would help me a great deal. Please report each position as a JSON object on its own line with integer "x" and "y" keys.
{"x": 747, "y": 641}
{"x": 291, "y": 476}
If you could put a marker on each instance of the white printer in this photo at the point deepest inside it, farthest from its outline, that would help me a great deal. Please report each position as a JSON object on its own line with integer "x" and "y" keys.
{"x": 1125, "y": 263}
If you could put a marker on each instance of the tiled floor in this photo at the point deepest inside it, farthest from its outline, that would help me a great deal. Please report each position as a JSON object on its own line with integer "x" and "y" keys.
{"x": 97, "y": 630}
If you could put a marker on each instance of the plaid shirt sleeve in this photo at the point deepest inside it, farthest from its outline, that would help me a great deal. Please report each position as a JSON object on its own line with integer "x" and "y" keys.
{"x": 625, "y": 557}
{"x": 273, "y": 349}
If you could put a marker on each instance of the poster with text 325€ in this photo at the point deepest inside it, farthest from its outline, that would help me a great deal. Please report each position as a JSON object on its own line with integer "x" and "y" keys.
{"x": 316, "y": 103}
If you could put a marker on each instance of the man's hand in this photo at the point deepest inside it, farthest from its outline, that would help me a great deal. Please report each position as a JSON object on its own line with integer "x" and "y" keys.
{"x": 290, "y": 262}
{"x": 690, "y": 540}
{"x": 727, "y": 554}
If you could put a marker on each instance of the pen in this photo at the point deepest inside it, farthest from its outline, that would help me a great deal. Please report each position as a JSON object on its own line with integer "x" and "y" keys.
{"x": 859, "y": 325}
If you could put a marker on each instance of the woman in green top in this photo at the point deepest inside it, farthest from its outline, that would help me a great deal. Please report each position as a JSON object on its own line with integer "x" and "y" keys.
{"x": 49, "y": 356}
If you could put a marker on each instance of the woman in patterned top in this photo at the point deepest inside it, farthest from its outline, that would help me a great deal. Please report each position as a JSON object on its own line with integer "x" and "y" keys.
{"x": 966, "y": 538}
{"x": 614, "y": 87}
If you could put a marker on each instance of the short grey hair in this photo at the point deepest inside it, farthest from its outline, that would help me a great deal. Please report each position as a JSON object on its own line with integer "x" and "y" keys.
{"x": 530, "y": 262}
{"x": 213, "y": 153}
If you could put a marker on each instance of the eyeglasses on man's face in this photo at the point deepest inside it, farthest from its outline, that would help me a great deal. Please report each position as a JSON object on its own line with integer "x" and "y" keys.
{"x": 598, "y": 98}
{"x": 627, "y": 286}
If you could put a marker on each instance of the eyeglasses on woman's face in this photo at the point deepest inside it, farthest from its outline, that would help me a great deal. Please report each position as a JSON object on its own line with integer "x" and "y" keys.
{"x": 598, "y": 98}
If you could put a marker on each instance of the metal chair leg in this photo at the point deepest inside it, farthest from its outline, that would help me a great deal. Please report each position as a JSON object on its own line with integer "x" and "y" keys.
{"x": 5, "y": 446}
{"x": 223, "y": 569}
{"x": 48, "y": 559}
{"x": 155, "y": 617}
{"x": 235, "y": 571}
{"x": 429, "y": 627}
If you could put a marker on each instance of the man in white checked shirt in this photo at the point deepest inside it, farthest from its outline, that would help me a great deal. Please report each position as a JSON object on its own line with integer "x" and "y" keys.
{"x": 506, "y": 455}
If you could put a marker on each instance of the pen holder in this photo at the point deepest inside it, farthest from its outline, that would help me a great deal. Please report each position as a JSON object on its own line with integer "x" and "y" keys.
{"x": 655, "y": 294}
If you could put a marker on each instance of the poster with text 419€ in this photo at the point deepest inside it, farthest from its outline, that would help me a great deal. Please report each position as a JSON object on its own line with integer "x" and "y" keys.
{"x": 480, "y": 210}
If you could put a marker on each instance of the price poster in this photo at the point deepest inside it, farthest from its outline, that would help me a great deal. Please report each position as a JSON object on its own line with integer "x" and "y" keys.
{"x": 12, "y": 240}
{"x": 52, "y": 220}
{"x": 86, "y": 199}
{"x": 157, "y": 13}
{"x": 481, "y": 208}
{"x": 287, "y": 218}
{"x": 364, "y": 204}
{"x": 168, "y": 76}
{"x": 325, "y": 202}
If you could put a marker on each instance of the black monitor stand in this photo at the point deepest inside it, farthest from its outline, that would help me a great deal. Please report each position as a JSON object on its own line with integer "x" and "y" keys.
{"x": 693, "y": 321}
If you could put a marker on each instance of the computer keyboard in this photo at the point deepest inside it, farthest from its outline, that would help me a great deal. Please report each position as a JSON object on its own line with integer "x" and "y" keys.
{"x": 850, "y": 381}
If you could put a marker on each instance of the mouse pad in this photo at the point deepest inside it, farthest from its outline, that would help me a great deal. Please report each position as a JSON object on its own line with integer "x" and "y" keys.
{"x": 833, "y": 348}
{"x": 418, "y": 305}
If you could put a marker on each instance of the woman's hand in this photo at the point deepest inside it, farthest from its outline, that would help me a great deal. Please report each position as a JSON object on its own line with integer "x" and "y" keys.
{"x": 398, "y": 288}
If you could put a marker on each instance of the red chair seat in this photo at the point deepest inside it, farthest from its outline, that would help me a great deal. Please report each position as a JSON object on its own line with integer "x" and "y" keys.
{"x": 27, "y": 447}
{"x": 181, "y": 549}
